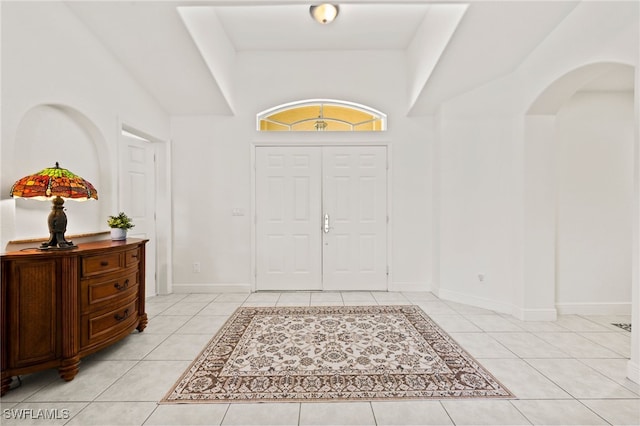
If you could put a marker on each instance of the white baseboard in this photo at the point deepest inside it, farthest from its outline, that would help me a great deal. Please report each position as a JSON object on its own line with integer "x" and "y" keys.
{"x": 633, "y": 372}
{"x": 211, "y": 288}
{"x": 535, "y": 314}
{"x": 479, "y": 302}
{"x": 409, "y": 286}
{"x": 594, "y": 308}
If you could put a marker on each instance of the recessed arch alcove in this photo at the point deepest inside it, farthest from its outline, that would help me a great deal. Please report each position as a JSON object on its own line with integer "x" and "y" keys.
{"x": 578, "y": 193}
{"x": 50, "y": 133}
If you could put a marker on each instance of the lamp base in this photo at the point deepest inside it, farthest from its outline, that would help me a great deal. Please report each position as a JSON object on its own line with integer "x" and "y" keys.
{"x": 66, "y": 245}
{"x": 57, "y": 227}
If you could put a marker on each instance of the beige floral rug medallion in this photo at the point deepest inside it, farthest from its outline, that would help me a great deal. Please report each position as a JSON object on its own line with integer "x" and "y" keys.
{"x": 332, "y": 353}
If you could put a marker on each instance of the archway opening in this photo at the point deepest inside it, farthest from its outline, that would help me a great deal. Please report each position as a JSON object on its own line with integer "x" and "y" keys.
{"x": 579, "y": 138}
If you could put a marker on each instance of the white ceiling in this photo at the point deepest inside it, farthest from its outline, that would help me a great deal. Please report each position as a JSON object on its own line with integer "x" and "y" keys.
{"x": 152, "y": 41}
{"x": 290, "y": 27}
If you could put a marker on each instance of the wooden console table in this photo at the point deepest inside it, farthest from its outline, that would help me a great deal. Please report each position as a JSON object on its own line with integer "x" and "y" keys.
{"x": 59, "y": 306}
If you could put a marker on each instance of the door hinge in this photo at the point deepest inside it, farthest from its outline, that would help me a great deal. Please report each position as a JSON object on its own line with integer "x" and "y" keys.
{"x": 387, "y": 270}
{"x": 387, "y": 218}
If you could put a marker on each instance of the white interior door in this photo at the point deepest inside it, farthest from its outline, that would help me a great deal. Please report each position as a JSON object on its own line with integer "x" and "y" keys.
{"x": 355, "y": 206}
{"x": 137, "y": 198}
{"x": 321, "y": 218}
{"x": 288, "y": 208}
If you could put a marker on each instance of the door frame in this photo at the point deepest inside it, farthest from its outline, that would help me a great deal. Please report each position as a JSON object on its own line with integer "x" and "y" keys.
{"x": 162, "y": 196}
{"x": 253, "y": 216}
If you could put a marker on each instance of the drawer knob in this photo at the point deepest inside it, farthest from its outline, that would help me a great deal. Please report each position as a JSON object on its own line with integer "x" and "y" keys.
{"x": 123, "y": 286}
{"x": 135, "y": 256}
{"x": 122, "y": 317}
{"x": 104, "y": 263}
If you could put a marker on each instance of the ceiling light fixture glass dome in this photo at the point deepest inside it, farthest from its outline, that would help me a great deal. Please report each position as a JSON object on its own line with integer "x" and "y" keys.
{"x": 324, "y": 13}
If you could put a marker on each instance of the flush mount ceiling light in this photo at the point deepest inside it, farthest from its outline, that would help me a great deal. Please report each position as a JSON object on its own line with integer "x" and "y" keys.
{"x": 324, "y": 13}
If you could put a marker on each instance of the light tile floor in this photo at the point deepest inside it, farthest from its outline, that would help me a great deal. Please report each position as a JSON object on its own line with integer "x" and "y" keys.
{"x": 567, "y": 372}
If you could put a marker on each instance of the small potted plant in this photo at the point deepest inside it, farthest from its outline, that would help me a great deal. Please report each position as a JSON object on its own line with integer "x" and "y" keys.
{"x": 119, "y": 225}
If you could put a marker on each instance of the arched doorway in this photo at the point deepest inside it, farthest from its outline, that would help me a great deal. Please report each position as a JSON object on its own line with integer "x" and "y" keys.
{"x": 579, "y": 181}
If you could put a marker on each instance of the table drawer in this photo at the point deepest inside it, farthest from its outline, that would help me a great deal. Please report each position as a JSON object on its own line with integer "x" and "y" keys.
{"x": 98, "y": 327}
{"x": 131, "y": 257}
{"x": 106, "y": 289}
{"x": 104, "y": 263}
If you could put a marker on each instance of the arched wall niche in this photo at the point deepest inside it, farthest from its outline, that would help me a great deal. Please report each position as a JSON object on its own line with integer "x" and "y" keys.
{"x": 578, "y": 134}
{"x": 50, "y": 133}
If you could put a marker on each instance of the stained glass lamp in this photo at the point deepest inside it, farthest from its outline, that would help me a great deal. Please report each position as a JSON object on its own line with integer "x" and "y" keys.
{"x": 55, "y": 184}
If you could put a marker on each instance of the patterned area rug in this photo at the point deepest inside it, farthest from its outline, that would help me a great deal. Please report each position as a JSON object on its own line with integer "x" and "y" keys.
{"x": 624, "y": 325}
{"x": 336, "y": 353}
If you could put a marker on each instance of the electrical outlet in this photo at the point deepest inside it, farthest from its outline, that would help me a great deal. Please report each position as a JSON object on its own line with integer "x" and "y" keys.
{"x": 196, "y": 267}
{"x": 481, "y": 277}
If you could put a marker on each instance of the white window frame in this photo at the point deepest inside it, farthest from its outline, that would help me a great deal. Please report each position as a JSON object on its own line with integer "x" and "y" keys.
{"x": 322, "y": 102}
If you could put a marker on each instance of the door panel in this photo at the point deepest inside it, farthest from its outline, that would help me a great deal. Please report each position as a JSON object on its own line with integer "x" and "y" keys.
{"x": 288, "y": 207}
{"x": 137, "y": 191}
{"x": 355, "y": 198}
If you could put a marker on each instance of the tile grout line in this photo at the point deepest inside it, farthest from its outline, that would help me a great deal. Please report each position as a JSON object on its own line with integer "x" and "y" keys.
{"x": 589, "y": 408}
{"x": 526, "y": 360}
{"x": 447, "y": 412}
{"x": 519, "y": 411}
{"x": 373, "y": 413}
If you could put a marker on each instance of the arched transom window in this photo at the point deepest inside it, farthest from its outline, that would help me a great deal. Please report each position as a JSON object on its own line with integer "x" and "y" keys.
{"x": 322, "y": 115}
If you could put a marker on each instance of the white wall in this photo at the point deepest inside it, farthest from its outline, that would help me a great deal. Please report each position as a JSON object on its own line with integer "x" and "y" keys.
{"x": 476, "y": 217}
{"x": 50, "y": 58}
{"x": 633, "y": 366}
{"x": 491, "y": 158}
{"x": 210, "y": 177}
{"x": 476, "y": 195}
{"x": 213, "y": 156}
{"x": 594, "y": 166}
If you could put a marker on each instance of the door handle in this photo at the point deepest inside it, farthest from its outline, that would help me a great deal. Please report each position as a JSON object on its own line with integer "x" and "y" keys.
{"x": 326, "y": 223}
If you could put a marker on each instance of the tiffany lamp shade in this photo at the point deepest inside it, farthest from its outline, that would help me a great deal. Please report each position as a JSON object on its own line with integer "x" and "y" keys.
{"x": 56, "y": 184}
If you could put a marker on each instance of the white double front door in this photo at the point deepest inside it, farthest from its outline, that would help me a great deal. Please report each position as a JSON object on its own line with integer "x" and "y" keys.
{"x": 321, "y": 218}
